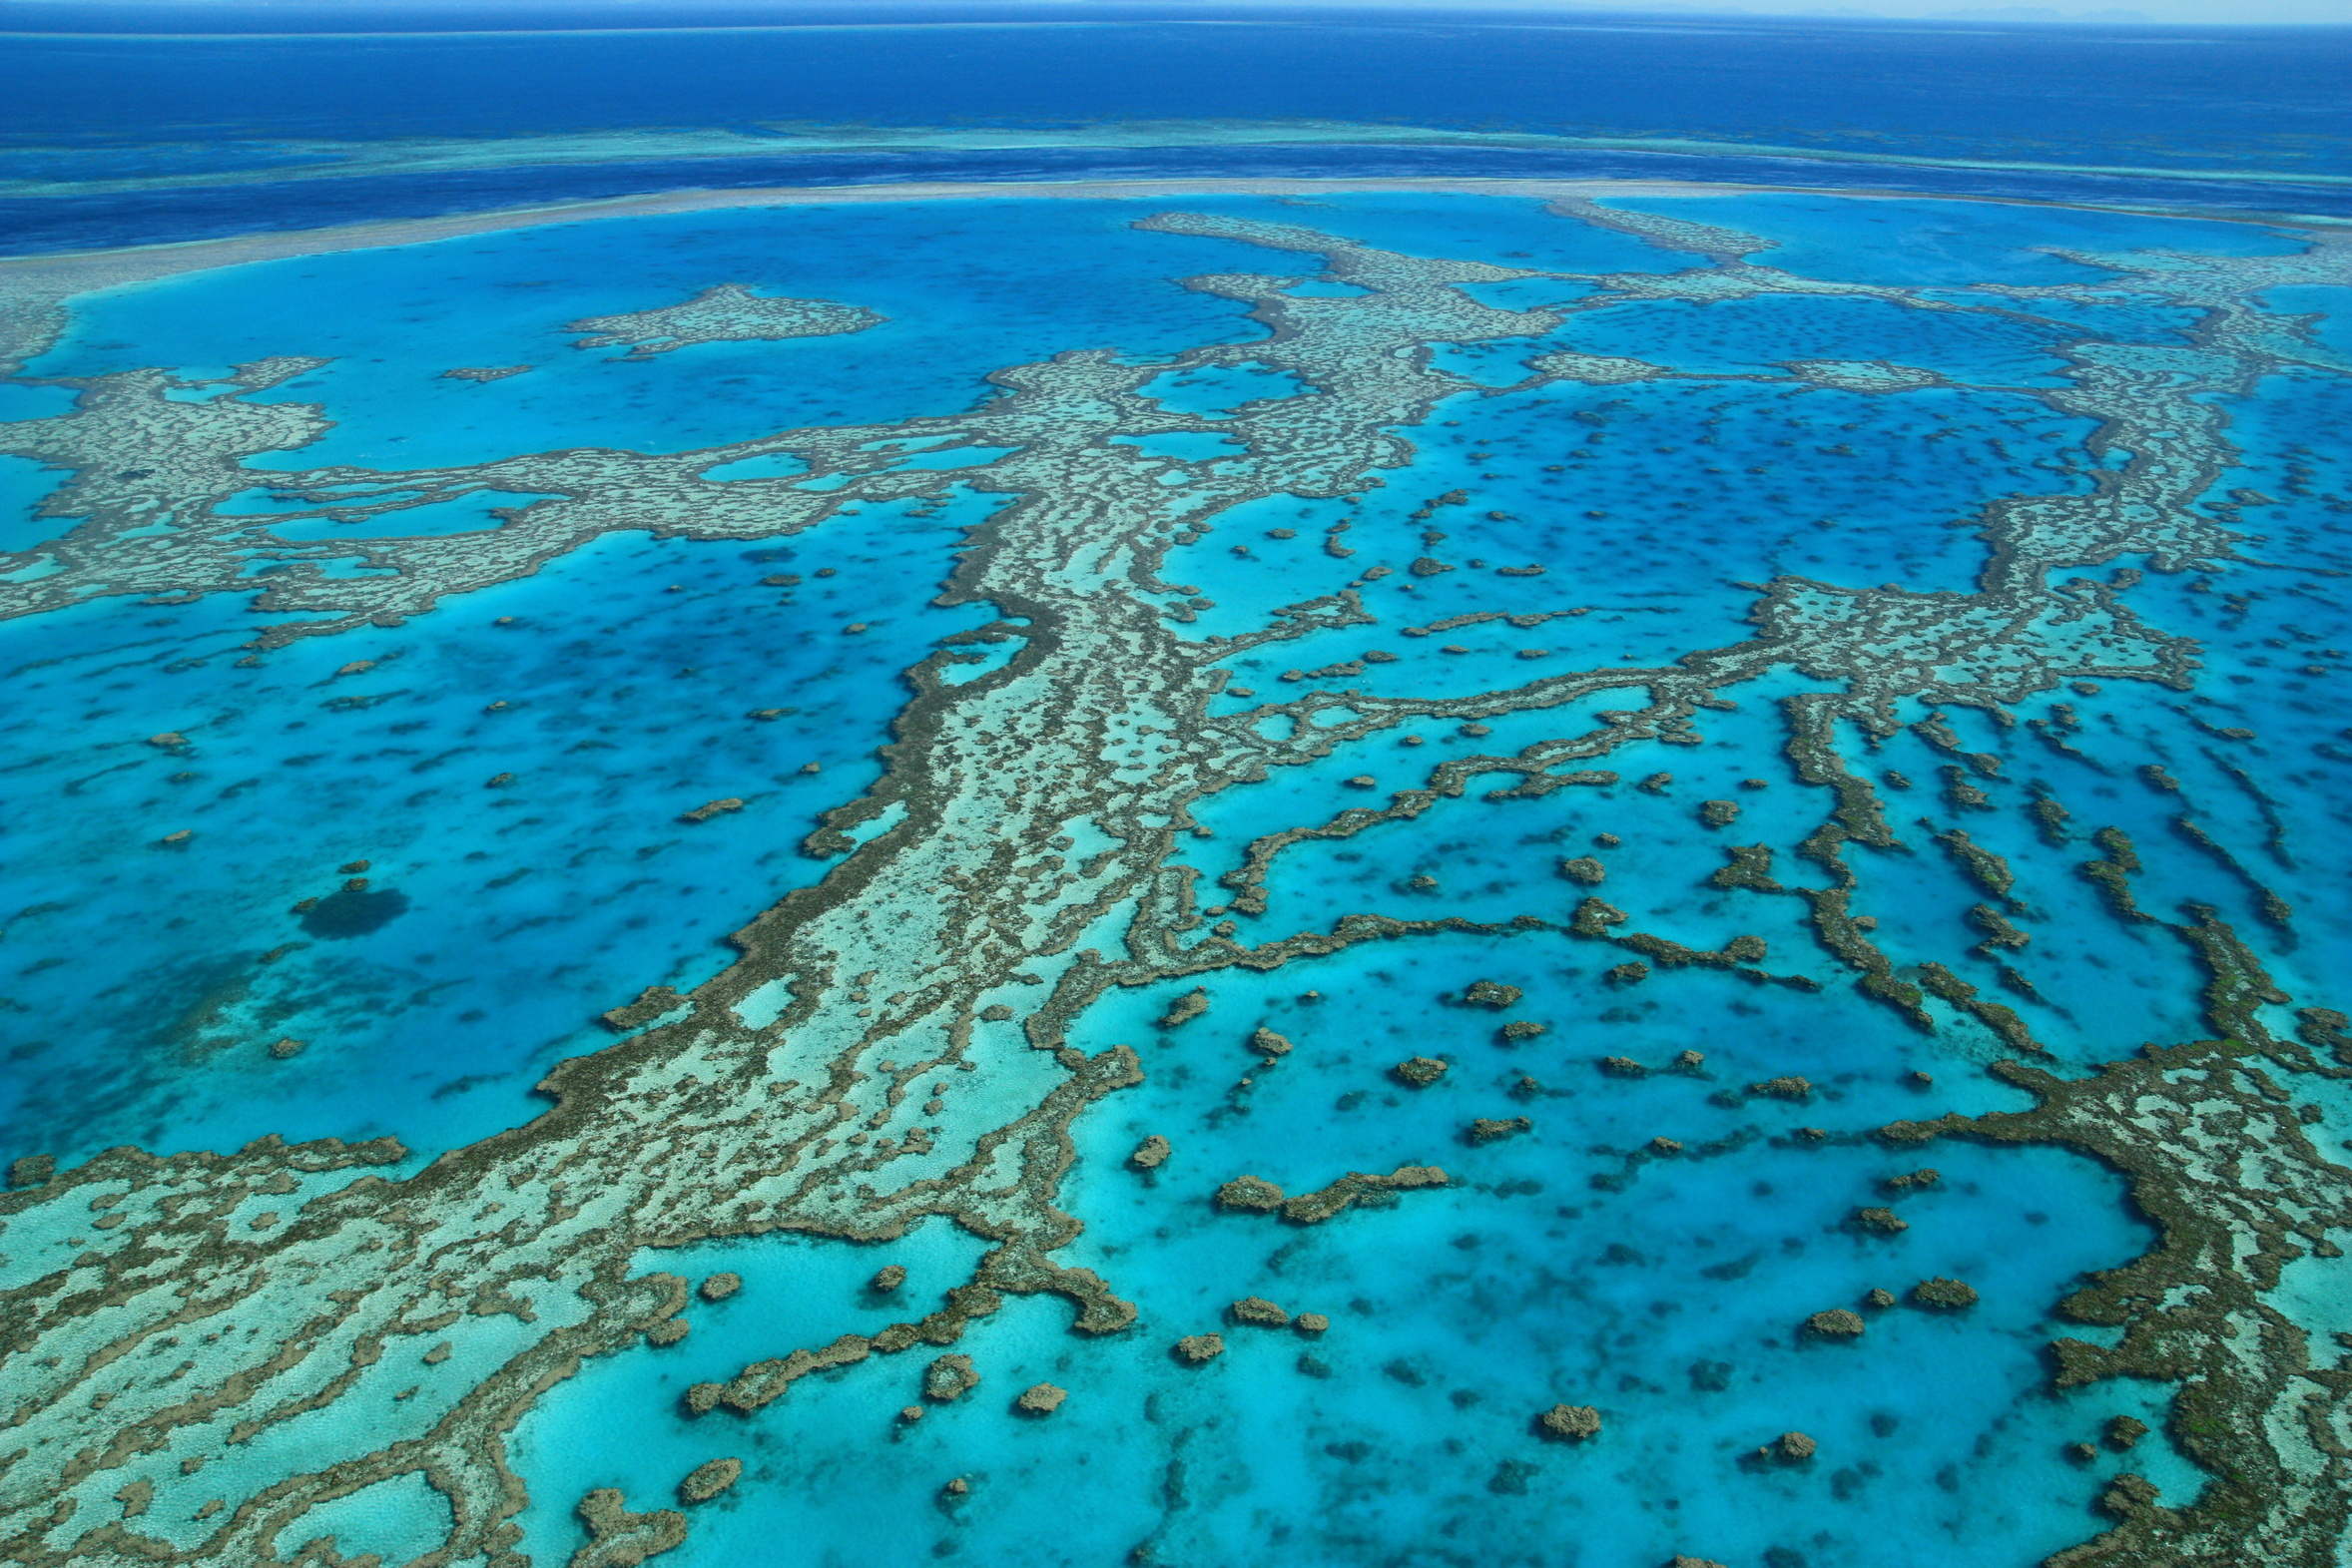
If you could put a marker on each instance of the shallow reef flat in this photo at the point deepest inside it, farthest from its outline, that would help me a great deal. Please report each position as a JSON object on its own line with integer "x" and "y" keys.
{"x": 1306, "y": 874}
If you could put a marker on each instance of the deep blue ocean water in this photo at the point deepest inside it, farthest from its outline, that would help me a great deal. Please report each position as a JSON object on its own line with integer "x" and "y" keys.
{"x": 1131, "y": 93}
{"x": 2251, "y": 98}
{"x": 1563, "y": 1265}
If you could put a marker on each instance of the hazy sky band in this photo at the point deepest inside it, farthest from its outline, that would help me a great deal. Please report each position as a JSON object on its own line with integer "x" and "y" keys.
{"x": 163, "y": 17}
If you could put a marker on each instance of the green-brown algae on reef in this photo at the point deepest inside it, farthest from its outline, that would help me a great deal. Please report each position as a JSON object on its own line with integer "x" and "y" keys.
{"x": 891, "y": 973}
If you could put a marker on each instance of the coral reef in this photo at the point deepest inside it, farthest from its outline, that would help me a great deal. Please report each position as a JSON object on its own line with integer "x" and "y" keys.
{"x": 1250, "y": 1192}
{"x": 950, "y": 1377}
{"x": 1186, "y": 1008}
{"x": 1041, "y": 1400}
{"x": 1356, "y": 1188}
{"x": 694, "y": 1124}
{"x": 1570, "y": 1422}
{"x": 709, "y": 1480}
{"x": 621, "y": 1539}
{"x": 1943, "y": 1295}
{"x": 1836, "y": 1323}
{"x": 725, "y": 312}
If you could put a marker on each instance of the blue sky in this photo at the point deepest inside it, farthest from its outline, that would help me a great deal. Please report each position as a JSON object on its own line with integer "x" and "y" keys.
{"x": 650, "y": 11}
{"x": 2195, "y": 11}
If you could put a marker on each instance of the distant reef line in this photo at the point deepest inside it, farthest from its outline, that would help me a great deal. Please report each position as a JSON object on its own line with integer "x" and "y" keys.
{"x": 34, "y": 288}
{"x": 308, "y": 159}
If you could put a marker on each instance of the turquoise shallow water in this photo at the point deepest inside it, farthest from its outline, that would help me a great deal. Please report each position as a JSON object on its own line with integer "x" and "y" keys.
{"x": 1925, "y": 242}
{"x": 510, "y": 914}
{"x": 631, "y": 698}
{"x": 1568, "y": 1264}
{"x": 961, "y": 290}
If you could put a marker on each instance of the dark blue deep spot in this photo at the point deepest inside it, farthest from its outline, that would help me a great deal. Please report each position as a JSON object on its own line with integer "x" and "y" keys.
{"x": 353, "y": 912}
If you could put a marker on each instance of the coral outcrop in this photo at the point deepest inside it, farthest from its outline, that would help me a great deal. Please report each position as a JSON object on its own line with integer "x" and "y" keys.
{"x": 709, "y": 1480}
{"x": 1943, "y": 1295}
{"x": 1041, "y": 1400}
{"x": 1836, "y": 1323}
{"x": 1571, "y": 1423}
{"x": 950, "y": 1377}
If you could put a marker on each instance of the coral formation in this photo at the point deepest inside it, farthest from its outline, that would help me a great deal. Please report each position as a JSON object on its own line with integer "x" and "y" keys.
{"x": 1836, "y": 1323}
{"x": 709, "y": 1480}
{"x": 695, "y": 1122}
{"x": 1358, "y": 1188}
{"x": 1571, "y": 1423}
{"x": 724, "y": 313}
{"x": 1186, "y": 1008}
{"x": 950, "y": 1377}
{"x": 1041, "y": 1400}
{"x": 1943, "y": 1295}
{"x": 621, "y": 1539}
{"x": 1249, "y": 1191}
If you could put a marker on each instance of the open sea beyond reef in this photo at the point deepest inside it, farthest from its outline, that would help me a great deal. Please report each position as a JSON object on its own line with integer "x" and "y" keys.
{"x": 381, "y": 883}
